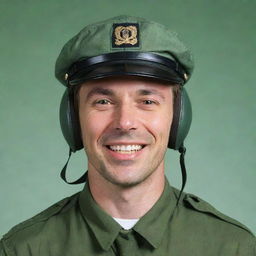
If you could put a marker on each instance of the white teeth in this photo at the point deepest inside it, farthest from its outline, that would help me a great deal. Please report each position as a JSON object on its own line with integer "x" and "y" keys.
{"x": 125, "y": 148}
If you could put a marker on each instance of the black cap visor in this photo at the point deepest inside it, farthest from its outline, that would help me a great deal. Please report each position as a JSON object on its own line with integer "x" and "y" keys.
{"x": 126, "y": 64}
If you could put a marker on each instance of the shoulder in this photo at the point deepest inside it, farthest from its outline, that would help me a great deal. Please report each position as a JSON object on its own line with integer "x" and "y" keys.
{"x": 36, "y": 227}
{"x": 201, "y": 215}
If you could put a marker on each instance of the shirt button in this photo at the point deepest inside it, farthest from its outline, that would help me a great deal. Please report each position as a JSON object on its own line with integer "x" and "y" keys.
{"x": 125, "y": 234}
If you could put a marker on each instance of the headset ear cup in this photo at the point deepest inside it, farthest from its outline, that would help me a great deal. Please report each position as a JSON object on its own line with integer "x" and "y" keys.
{"x": 182, "y": 117}
{"x": 69, "y": 121}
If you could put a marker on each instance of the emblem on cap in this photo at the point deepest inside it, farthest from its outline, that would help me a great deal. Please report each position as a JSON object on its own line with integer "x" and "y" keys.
{"x": 125, "y": 35}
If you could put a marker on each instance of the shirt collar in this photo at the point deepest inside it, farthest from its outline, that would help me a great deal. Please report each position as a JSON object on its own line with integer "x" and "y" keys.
{"x": 106, "y": 229}
{"x": 156, "y": 219}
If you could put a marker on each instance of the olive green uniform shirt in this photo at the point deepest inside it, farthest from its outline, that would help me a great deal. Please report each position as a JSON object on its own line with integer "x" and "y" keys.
{"x": 77, "y": 226}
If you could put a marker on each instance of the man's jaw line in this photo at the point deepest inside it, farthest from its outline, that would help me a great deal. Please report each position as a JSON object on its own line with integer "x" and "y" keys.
{"x": 126, "y": 193}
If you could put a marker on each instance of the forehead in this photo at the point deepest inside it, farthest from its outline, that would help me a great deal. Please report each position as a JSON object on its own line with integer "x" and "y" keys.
{"x": 126, "y": 84}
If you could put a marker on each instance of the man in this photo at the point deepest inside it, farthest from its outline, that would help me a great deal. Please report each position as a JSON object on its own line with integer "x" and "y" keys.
{"x": 125, "y": 104}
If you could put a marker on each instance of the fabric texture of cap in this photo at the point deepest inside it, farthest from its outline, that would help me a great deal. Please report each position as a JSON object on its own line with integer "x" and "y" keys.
{"x": 124, "y": 34}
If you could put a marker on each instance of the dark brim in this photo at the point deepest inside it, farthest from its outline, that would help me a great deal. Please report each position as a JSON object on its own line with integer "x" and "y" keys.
{"x": 122, "y": 64}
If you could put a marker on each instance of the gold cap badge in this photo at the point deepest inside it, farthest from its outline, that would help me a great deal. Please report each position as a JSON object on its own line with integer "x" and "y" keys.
{"x": 125, "y": 35}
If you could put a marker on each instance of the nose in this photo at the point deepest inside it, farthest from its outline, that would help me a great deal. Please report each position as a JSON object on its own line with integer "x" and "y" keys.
{"x": 125, "y": 118}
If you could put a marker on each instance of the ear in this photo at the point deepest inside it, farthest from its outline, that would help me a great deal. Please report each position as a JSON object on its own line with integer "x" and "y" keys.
{"x": 182, "y": 117}
{"x": 69, "y": 121}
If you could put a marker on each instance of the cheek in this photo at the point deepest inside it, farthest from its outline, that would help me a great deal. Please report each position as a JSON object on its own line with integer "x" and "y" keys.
{"x": 160, "y": 123}
{"x": 92, "y": 126}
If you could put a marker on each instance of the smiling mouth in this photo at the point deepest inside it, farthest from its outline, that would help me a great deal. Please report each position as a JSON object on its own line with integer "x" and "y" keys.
{"x": 125, "y": 149}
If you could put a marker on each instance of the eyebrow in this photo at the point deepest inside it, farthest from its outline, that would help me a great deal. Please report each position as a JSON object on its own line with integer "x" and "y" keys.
{"x": 109, "y": 92}
{"x": 100, "y": 91}
{"x": 143, "y": 92}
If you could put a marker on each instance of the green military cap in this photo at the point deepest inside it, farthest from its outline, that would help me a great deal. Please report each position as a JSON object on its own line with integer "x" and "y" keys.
{"x": 124, "y": 45}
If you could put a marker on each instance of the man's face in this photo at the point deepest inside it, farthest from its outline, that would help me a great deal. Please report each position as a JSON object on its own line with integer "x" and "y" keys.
{"x": 125, "y": 124}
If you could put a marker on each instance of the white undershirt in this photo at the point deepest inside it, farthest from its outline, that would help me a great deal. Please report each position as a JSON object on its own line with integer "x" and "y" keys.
{"x": 126, "y": 223}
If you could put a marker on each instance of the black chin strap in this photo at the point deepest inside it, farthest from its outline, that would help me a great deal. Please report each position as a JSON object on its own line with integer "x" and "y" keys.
{"x": 82, "y": 179}
{"x": 182, "y": 151}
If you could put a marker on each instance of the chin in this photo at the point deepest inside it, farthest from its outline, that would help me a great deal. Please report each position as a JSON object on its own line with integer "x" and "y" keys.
{"x": 126, "y": 182}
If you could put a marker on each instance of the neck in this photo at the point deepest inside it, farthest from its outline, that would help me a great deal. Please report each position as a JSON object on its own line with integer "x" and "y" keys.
{"x": 127, "y": 202}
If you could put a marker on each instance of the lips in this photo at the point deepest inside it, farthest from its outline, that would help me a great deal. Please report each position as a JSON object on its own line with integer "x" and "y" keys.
{"x": 125, "y": 149}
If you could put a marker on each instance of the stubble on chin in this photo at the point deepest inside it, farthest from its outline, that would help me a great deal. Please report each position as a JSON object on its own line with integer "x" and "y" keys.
{"x": 110, "y": 177}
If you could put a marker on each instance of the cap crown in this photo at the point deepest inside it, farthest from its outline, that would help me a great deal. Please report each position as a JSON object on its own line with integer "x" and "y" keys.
{"x": 119, "y": 34}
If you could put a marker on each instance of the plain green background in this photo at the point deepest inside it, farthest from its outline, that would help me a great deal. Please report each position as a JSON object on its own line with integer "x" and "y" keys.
{"x": 220, "y": 156}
